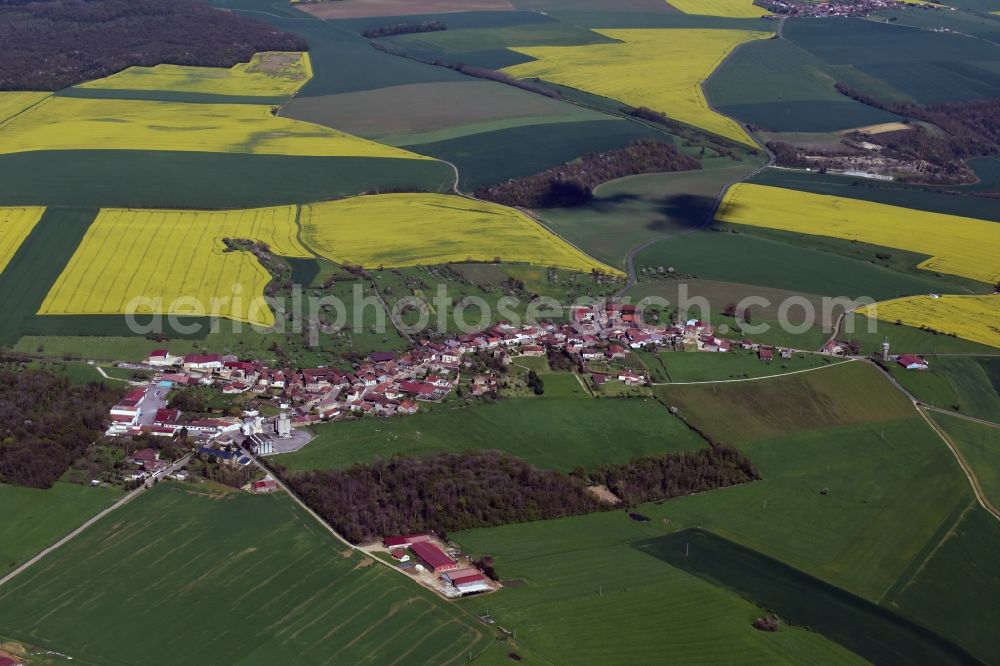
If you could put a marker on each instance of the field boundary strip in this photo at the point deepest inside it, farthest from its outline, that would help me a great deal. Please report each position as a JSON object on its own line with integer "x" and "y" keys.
{"x": 756, "y": 379}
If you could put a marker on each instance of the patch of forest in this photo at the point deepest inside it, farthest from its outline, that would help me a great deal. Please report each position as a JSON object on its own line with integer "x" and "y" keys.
{"x": 964, "y": 130}
{"x": 456, "y": 491}
{"x": 54, "y": 44}
{"x": 573, "y": 183}
{"x": 46, "y": 423}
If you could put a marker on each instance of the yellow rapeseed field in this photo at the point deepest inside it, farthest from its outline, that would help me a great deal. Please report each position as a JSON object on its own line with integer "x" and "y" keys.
{"x": 65, "y": 123}
{"x": 269, "y": 74}
{"x": 396, "y": 230}
{"x": 957, "y": 245}
{"x": 176, "y": 262}
{"x": 15, "y": 225}
{"x": 13, "y": 103}
{"x": 661, "y": 69}
{"x": 975, "y": 318}
{"x": 730, "y": 8}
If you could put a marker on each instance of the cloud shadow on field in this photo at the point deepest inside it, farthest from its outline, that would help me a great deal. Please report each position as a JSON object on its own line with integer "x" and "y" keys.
{"x": 687, "y": 211}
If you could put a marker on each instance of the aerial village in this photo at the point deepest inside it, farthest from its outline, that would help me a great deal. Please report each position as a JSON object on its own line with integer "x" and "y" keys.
{"x": 388, "y": 384}
{"x": 785, "y": 8}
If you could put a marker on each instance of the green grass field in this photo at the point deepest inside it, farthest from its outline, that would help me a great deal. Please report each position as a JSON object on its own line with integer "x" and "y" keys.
{"x": 957, "y": 574}
{"x": 953, "y": 381}
{"x": 852, "y": 393}
{"x": 900, "y": 63}
{"x": 36, "y": 265}
{"x": 980, "y": 444}
{"x": 890, "y": 485}
{"x": 492, "y": 157}
{"x": 36, "y": 518}
{"x": 549, "y": 432}
{"x": 577, "y": 592}
{"x": 207, "y": 575}
{"x": 977, "y": 25}
{"x": 892, "y": 489}
{"x": 775, "y": 85}
{"x": 750, "y": 258}
{"x": 203, "y": 180}
{"x": 872, "y": 632}
{"x": 168, "y": 96}
{"x": 894, "y": 265}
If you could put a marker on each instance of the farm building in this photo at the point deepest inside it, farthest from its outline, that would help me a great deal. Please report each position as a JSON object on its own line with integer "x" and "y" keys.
{"x": 203, "y": 362}
{"x": 476, "y": 582}
{"x": 406, "y": 541}
{"x": 911, "y": 362}
{"x": 162, "y": 358}
{"x": 436, "y": 559}
{"x": 131, "y": 405}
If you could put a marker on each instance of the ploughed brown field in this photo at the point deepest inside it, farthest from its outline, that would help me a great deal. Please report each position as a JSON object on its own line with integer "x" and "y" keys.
{"x": 420, "y": 107}
{"x": 342, "y": 9}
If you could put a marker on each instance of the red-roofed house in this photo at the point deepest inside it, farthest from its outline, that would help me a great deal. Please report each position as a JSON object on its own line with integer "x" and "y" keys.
{"x": 911, "y": 362}
{"x": 630, "y": 378}
{"x": 143, "y": 456}
{"x": 265, "y": 486}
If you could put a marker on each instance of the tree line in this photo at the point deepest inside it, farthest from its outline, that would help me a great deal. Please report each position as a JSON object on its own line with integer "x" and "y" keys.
{"x": 54, "y": 44}
{"x": 655, "y": 478}
{"x": 456, "y": 491}
{"x": 572, "y": 183}
{"x": 404, "y": 29}
{"x": 46, "y": 423}
{"x": 471, "y": 70}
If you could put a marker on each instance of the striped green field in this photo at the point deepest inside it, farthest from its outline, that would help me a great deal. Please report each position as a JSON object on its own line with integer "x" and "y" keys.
{"x": 35, "y": 518}
{"x": 203, "y": 574}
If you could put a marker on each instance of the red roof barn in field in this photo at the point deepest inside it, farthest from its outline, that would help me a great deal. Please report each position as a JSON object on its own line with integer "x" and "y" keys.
{"x": 435, "y": 558}
{"x": 911, "y": 362}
